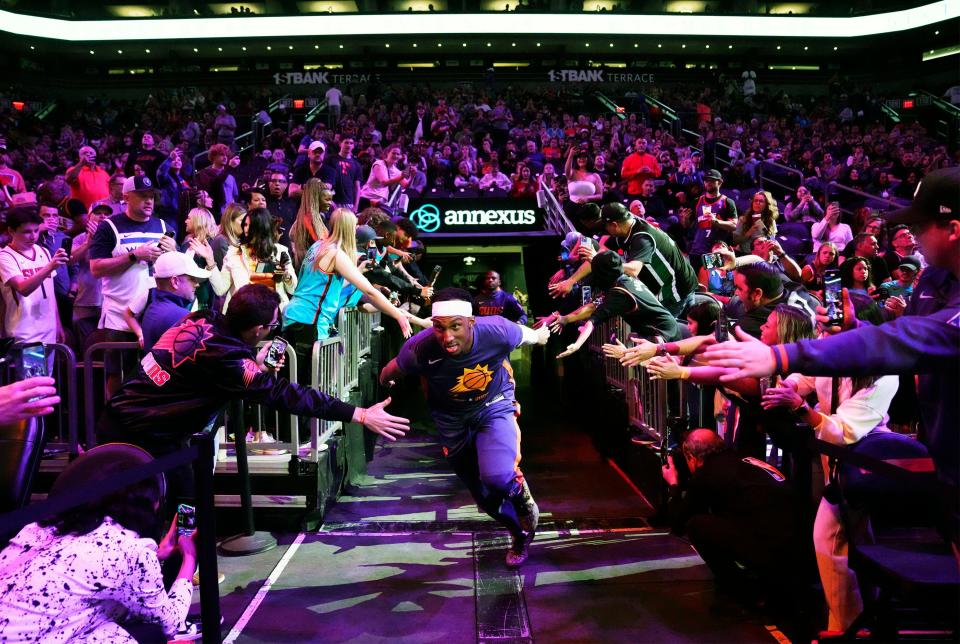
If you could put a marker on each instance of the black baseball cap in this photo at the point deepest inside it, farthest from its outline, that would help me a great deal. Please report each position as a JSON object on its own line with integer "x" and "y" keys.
{"x": 937, "y": 198}
{"x": 605, "y": 268}
{"x": 712, "y": 174}
{"x": 614, "y": 212}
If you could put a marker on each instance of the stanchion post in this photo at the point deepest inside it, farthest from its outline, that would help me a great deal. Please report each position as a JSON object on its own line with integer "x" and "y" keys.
{"x": 207, "y": 539}
{"x": 248, "y": 542}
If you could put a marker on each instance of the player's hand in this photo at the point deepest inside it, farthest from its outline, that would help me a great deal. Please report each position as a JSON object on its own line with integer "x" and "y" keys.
{"x": 543, "y": 335}
{"x": 556, "y": 277}
{"x": 16, "y": 402}
{"x": 669, "y": 472}
{"x": 560, "y": 289}
{"x": 557, "y": 324}
{"x": 379, "y": 421}
{"x": 148, "y": 252}
{"x": 751, "y": 359}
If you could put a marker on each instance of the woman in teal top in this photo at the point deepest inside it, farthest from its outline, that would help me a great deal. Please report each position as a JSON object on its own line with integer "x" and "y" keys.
{"x": 312, "y": 310}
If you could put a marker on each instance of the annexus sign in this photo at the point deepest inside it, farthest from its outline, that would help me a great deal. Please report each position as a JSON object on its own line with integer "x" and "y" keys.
{"x": 476, "y": 215}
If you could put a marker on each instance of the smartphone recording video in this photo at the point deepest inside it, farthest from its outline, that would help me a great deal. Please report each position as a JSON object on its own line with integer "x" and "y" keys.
{"x": 833, "y": 297}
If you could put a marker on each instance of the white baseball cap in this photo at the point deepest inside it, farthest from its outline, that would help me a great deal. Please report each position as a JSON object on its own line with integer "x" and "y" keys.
{"x": 318, "y": 144}
{"x": 174, "y": 263}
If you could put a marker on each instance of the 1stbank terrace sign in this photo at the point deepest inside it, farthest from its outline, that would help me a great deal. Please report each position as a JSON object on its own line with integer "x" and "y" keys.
{"x": 476, "y": 215}
{"x": 597, "y": 76}
{"x": 321, "y": 78}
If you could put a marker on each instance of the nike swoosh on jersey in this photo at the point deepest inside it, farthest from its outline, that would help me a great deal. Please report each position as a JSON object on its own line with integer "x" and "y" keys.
{"x": 434, "y": 361}
{"x": 925, "y": 296}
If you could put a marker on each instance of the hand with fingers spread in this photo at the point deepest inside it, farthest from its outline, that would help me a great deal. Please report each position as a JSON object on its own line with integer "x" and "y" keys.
{"x": 752, "y": 359}
{"x": 202, "y": 249}
{"x": 546, "y": 320}
{"x": 559, "y": 321}
{"x": 379, "y": 421}
{"x": 560, "y": 289}
{"x": 17, "y": 400}
{"x": 616, "y": 351}
{"x": 642, "y": 351}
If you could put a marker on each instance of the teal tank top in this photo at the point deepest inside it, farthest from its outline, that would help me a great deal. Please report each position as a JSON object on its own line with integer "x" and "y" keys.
{"x": 316, "y": 300}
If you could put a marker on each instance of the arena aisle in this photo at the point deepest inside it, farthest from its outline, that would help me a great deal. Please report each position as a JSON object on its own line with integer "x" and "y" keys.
{"x": 405, "y": 557}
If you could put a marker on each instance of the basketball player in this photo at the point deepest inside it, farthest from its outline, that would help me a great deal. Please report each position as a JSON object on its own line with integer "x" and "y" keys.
{"x": 465, "y": 365}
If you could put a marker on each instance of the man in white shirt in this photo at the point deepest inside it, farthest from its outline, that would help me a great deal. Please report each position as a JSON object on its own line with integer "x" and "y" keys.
{"x": 123, "y": 249}
{"x": 26, "y": 274}
{"x": 333, "y": 97}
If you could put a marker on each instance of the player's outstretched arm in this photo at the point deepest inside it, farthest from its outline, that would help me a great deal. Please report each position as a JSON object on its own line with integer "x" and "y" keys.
{"x": 534, "y": 336}
{"x": 390, "y": 373}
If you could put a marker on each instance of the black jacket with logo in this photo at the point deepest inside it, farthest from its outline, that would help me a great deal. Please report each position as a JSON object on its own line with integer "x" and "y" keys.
{"x": 192, "y": 372}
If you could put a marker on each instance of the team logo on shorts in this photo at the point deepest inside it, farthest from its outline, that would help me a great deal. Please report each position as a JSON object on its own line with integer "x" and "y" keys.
{"x": 476, "y": 379}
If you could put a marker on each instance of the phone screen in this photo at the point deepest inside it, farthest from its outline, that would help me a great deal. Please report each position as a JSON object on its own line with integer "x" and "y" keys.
{"x": 586, "y": 295}
{"x": 708, "y": 262}
{"x": 278, "y": 347}
{"x": 33, "y": 361}
{"x": 833, "y": 297}
{"x": 186, "y": 520}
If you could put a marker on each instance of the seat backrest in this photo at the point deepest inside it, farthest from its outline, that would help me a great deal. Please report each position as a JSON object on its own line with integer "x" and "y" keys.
{"x": 21, "y": 447}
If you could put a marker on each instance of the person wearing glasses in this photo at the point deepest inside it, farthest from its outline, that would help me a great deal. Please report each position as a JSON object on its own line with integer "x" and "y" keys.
{"x": 207, "y": 360}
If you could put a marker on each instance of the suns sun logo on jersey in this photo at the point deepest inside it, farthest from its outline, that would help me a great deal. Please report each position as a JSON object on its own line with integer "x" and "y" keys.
{"x": 476, "y": 379}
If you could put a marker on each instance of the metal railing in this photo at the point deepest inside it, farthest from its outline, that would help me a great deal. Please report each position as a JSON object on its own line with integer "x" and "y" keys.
{"x": 833, "y": 188}
{"x": 783, "y": 169}
{"x": 648, "y": 404}
{"x": 349, "y": 323}
{"x": 282, "y": 422}
{"x": 326, "y": 375}
{"x": 89, "y": 390}
{"x": 60, "y": 427}
{"x": 555, "y": 219}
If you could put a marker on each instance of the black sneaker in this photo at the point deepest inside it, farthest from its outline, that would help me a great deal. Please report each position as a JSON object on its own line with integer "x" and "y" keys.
{"x": 519, "y": 550}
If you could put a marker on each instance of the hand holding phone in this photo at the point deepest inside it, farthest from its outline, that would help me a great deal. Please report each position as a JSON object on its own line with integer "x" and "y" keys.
{"x": 186, "y": 520}
{"x": 833, "y": 297}
{"x": 276, "y": 352}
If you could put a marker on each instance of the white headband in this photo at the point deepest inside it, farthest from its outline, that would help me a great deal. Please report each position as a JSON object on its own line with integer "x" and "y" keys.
{"x": 452, "y": 308}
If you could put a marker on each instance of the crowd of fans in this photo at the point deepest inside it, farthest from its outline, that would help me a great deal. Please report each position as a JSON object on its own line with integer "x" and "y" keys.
{"x": 122, "y": 220}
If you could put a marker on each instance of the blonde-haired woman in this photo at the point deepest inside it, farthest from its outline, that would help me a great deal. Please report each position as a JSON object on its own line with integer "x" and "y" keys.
{"x": 201, "y": 232}
{"x": 309, "y": 227}
{"x": 312, "y": 311}
{"x": 230, "y": 230}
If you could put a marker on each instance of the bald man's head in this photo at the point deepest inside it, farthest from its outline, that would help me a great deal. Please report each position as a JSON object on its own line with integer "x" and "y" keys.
{"x": 699, "y": 444}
